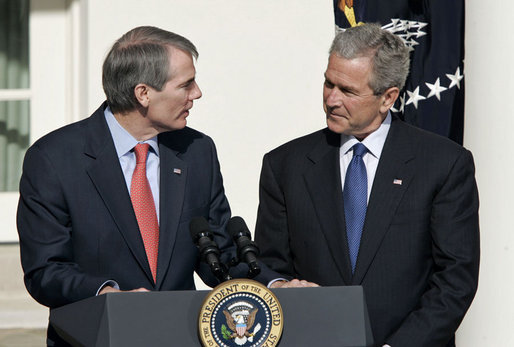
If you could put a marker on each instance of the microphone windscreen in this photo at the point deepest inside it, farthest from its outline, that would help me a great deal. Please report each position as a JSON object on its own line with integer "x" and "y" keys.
{"x": 198, "y": 225}
{"x": 236, "y": 225}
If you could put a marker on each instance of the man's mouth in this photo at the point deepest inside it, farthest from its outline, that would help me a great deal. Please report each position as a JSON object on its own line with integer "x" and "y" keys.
{"x": 332, "y": 114}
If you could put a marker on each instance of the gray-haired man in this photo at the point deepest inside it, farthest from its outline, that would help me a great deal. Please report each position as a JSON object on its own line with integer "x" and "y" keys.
{"x": 375, "y": 202}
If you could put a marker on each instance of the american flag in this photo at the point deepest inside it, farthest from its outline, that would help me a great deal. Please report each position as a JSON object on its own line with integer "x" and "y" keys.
{"x": 433, "y": 97}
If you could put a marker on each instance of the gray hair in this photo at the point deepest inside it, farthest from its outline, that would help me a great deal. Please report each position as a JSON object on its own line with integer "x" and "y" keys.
{"x": 388, "y": 53}
{"x": 139, "y": 56}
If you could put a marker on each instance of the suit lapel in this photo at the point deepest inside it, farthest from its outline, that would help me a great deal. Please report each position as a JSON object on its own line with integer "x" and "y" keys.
{"x": 392, "y": 179}
{"x": 173, "y": 172}
{"x": 105, "y": 172}
{"x": 323, "y": 182}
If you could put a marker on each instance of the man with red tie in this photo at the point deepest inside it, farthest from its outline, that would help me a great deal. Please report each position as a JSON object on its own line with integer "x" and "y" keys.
{"x": 105, "y": 203}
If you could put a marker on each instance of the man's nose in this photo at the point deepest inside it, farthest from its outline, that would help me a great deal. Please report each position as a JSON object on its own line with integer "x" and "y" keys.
{"x": 196, "y": 93}
{"x": 334, "y": 98}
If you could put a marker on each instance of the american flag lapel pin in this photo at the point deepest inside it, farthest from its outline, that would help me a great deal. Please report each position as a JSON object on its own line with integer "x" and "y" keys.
{"x": 177, "y": 171}
{"x": 397, "y": 181}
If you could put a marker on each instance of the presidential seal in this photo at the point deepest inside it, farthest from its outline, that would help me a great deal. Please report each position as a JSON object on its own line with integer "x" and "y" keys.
{"x": 240, "y": 313}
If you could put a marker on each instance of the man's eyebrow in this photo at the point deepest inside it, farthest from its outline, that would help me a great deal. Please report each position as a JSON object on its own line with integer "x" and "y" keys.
{"x": 328, "y": 79}
{"x": 189, "y": 81}
{"x": 340, "y": 86}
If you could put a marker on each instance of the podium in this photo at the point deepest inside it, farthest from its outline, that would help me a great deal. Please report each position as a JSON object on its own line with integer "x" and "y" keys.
{"x": 325, "y": 316}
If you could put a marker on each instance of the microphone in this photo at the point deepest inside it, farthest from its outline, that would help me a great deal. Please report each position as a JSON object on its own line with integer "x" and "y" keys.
{"x": 209, "y": 251}
{"x": 247, "y": 250}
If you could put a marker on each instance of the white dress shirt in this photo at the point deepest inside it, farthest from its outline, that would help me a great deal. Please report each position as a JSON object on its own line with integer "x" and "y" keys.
{"x": 374, "y": 142}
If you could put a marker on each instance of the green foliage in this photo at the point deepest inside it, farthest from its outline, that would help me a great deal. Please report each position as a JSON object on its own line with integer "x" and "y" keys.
{"x": 225, "y": 332}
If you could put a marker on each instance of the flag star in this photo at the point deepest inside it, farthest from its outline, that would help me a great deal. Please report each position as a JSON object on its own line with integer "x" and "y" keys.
{"x": 435, "y": 89}
{"x": 414, "y": 97}
{"x": 402, "y": 103}
{"x": 455, "y": 79}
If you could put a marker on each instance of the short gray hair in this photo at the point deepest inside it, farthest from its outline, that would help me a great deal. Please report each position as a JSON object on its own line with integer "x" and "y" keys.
{"x": 388, "y": 53}
{"x": 139, "y": 56}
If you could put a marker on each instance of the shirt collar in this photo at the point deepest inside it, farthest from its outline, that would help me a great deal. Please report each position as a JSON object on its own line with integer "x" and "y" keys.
{"x": 374, "y": 142}
{"x": 123, "y": 141}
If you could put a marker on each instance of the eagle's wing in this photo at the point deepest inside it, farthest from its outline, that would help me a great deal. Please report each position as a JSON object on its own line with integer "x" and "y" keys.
{"x": 230, "y": 320}
{"x": 251, "y": 318}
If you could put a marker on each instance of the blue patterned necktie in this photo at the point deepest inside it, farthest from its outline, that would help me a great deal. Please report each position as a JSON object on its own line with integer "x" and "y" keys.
{"x": 355, "y": 197}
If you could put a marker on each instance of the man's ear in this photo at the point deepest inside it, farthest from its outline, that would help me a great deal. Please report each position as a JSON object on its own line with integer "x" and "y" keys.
{"x": 141, "y": 92}
{"x": 388, "y": 99}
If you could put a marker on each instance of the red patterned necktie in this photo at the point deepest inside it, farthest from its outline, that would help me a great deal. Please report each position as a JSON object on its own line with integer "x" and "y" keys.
{"x": 144, "y": 207}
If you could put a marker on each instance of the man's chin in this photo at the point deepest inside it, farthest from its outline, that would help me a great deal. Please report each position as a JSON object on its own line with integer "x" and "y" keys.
{"x": 175, "y": 126}
{"x": 180, "y": 126}
{"x": 336, "y": 127}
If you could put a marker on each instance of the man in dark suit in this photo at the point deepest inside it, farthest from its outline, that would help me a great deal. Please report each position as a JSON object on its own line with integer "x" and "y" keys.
{"x": 414, "y": 246}
{"x": 82, "y": 233}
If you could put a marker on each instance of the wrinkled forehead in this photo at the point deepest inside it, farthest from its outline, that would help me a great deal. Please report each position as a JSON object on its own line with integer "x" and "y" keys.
{"x": 179, "y": 62}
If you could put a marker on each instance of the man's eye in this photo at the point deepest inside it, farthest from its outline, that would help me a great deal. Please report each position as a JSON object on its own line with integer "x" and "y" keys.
{"x": 329, "y": 84}
{"x": 188, "y": 84}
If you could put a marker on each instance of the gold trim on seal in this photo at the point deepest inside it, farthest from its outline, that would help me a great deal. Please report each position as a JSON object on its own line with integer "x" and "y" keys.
{"x": 235, "y": 290}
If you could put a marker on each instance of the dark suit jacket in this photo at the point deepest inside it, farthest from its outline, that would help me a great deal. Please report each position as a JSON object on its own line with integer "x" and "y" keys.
{"x": 76, "y": 224}
{"x": 419, "y": 253}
